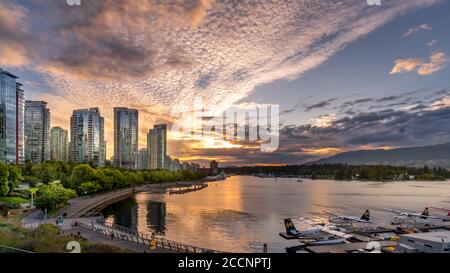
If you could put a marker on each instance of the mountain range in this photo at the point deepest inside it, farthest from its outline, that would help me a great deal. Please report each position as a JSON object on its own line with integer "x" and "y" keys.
{"x": 431, "y": 156}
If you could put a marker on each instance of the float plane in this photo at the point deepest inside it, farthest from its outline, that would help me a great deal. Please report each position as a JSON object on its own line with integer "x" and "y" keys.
{"x": 365, "y": 218}
{"x": 310, "y": 233}
{"x": 424, "y": 215}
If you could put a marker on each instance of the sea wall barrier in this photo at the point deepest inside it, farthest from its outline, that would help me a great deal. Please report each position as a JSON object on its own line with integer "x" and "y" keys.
{"x": 118, "y": 232}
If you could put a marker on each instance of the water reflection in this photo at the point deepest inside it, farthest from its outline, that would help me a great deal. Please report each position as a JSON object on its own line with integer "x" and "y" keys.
{"x": 156, "y": 217}
{"x": 138, "y": 213}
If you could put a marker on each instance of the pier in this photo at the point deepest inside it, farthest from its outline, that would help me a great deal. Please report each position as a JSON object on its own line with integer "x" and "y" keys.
{"x": 186, "y": 188}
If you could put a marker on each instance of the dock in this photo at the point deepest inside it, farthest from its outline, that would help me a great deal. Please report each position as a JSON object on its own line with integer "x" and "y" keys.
{"x": 350, "y": 248}
{"x": 182, "y": 188}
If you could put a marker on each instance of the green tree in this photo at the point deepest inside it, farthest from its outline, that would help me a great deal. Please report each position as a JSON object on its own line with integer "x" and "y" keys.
{"x": 88, "y": 188}
{"x": 4, "y": 182}
{"x": 82, "y": 173}
{"x": 53, "y": 197}
{"x": 15, "y": 177}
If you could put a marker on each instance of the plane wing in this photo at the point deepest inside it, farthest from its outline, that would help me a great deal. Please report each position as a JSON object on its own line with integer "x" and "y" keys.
{"x": 394, "y": 211}
{"x": 441, "y": 209}
{"x": 331, "y": 213}
{"x": 361, "y": 221}
{"x": 430, "y": 217}
{"x": 411, "y": 214}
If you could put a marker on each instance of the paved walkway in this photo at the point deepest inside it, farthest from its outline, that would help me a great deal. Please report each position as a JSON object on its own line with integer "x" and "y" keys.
{"x": 94, "y": 237}
{"x": 81, "y": 206}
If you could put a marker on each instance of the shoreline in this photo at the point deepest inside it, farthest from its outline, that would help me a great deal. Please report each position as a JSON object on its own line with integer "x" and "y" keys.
{"x": 334, "y": 180}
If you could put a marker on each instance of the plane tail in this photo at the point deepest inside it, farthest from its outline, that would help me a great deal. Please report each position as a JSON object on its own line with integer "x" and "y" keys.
{"x": 366, "y": 216}
{"x": 426, "y": 212}
{"x": 290, "y": 228}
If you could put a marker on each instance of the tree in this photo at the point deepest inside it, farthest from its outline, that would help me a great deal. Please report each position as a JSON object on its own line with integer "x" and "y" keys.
{"x": 53, "y": 196}
{"x": 4, "y": 182}
{"x": 82, "y": 173}
{"x": 88, "y": 188}
{"x": 15, "y": 177}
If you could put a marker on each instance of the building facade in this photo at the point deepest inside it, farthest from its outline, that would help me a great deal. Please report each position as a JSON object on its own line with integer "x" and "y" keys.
{"x": 37, "y": 131}
{"x": 59, "y": 144}
{"x": 20, "y": 124}
{"x": 87, "y": 137}
{"x": 126, "y": 130}
{"x": 11, "y": 119}
{"x": 143, "y": 159}
{"x": 157, "y": 147}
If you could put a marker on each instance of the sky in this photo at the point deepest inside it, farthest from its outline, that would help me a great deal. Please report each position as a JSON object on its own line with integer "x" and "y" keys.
{"x": 346, "y": 75}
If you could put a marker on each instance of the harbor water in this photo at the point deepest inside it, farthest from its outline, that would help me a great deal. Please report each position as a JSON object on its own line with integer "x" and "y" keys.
{"x": 244, "y": 212}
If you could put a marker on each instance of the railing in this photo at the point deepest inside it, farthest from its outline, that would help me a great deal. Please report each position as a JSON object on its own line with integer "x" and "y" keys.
{"x": 7, "y": 249}
{"x": 116, "y": 231}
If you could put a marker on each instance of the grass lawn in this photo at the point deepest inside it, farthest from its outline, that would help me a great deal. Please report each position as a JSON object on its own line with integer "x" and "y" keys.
{"x": 13, "y": 200}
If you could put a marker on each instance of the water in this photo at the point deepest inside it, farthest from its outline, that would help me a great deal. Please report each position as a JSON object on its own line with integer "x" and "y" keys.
{"x": 243, "y": 213}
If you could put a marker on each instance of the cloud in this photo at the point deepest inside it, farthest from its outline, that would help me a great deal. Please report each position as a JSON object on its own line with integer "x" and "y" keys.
{"x": 380, "y": 128}
{"x": 438, "y": 61}
{"x": 417, "y": 29}
{"x": 406, "y": 65}
{"x": 432, "y": 43}
{"x": 14, "y": 37}
{"x": 148, "y": 53}
{"x": 320, "y": 105}
{"x": 323, "y": 121}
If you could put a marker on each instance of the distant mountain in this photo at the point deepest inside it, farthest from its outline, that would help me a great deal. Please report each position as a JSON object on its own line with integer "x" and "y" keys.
{"x": 432, "y": 156}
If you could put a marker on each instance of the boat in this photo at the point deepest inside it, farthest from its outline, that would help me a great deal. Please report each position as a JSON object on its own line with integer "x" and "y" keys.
{"x": 300, "y": 181}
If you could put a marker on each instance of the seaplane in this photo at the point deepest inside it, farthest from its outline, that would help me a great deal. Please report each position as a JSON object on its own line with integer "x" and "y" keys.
{"x": 418, "y": 218}
{"x": 447, "y": 219}
{"x": 318, "y": 235}
{"x": 292, "y": 232}
{"x": 365, "y": 218}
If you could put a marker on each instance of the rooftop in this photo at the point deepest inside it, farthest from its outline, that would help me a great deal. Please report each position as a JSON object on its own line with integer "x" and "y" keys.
{"x": 7, "y": 73}
{"x": 438, "y": 236}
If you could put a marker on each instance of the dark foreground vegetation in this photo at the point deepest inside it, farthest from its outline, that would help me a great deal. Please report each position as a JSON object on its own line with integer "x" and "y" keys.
{"x": 55, "y": 182}
{"x": 347, "y": 172}
{"x": 45, "y": 239}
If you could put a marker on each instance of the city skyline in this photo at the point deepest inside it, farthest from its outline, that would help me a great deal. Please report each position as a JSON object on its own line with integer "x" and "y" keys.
{"x": 27, "y": 134}
{"x": 370, "y": 77}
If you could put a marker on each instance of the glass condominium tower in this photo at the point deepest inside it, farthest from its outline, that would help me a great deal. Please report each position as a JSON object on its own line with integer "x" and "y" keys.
{"x": 12, "y": 100}
{"x": 87, "y": 137}
{"x": 126, "y": 130}
{"x": 37, "y": 131}
{"x": 59, "y": 144}
{"x": 157, "y": 147}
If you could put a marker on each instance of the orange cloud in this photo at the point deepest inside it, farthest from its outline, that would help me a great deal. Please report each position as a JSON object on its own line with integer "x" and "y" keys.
{"x": 322, "y": 151}
{"x": 13, "y": 29}
{"x": 438, "y": 61}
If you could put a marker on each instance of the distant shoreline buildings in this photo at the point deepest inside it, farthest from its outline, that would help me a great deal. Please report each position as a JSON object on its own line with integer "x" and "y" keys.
{"x": 26, "y": 134}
